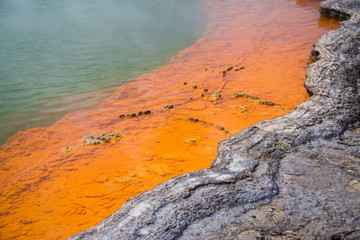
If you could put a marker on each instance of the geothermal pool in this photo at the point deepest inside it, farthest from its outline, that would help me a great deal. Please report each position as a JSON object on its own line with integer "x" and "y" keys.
{"x": 52, "y": 185}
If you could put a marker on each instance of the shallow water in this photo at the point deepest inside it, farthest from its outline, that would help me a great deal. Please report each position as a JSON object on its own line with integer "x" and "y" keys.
{"x": 52, "y": 185}
{"x": 56, "y": 57}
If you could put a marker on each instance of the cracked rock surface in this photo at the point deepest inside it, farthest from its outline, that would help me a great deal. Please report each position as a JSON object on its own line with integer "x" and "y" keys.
{"x": 292, "y": 177}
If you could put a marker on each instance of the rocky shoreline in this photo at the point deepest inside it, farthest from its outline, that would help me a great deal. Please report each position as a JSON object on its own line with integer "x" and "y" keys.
{"x": 292, "y": 177}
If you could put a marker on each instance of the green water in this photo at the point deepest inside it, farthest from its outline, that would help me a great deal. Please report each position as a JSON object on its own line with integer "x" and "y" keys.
{"x": 60, "y": 56}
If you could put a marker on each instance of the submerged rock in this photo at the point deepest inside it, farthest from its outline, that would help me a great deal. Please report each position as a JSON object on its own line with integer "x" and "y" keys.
{"x": 216, "y": 96}
{"x": 292, "y": 177}
{"x": 110, "y": 134}
{"x": 193, "y": 119}
{"x": 229, "y": 68}
{"x": 67, "y": 149}
{"x": 94, "y": 140}
{"x": 238, "y": 69}
{"x": 220, "y": 128}
{"x": 102, "y": 138}
{"x": 237, "y": 95}
{"x": 269, "y": 103}
{"x": 169, "y": 106}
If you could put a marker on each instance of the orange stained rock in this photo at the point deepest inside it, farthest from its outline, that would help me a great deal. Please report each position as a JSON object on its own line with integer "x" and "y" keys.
{"x": 52, "y": 186}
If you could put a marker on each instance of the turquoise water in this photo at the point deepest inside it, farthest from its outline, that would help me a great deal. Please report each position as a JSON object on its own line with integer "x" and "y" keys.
{"x": 60, "y": 56}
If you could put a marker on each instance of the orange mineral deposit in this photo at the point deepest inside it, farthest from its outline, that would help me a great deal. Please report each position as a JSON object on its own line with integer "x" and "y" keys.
{"x": 248, "y": 66}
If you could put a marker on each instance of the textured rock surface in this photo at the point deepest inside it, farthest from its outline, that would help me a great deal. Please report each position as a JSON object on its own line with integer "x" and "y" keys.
{"x": 293, "y": 177}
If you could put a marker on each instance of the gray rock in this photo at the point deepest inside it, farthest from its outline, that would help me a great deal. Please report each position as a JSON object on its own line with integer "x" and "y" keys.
{"x": 292, "y": 177}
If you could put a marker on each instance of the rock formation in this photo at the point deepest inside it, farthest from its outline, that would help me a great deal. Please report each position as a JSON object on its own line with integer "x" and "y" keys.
{"x": 292, "y": 177}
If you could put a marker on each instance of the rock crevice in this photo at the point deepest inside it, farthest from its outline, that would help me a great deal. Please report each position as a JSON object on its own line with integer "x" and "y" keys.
{"x": 292, "y": 177}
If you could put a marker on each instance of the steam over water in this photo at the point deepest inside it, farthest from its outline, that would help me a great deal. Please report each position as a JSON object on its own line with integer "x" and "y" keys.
{"x": 59, "y": 56}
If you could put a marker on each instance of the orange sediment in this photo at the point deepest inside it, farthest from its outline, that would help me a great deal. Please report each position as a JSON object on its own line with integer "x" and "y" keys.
{"x": 52, "y": 185}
